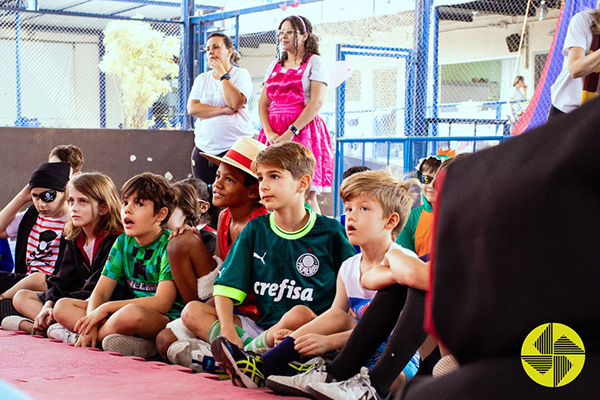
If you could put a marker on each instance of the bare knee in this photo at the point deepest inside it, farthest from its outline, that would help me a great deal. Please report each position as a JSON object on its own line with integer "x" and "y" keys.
{"x": 128, "y": 318}
{"x": 62, "y": 309}
{"x": 164, "y": 340}
{"x": 182, "y": 245}
{"x": 198, "y": 317}
{"x": 298, "y": 316}
{"x": 22, "y": 297}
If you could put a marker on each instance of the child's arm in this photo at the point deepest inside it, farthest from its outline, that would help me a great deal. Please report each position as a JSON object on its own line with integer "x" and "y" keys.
{"x": 12, "y": 208}
{"x": 407, "y": 270}
{"x": 224, "y": 307}
{"x": 400, "y": 268}
{"x": 377, "y": 278}
{"x": 330, "y": 330}
{"x": 313, "y": 344}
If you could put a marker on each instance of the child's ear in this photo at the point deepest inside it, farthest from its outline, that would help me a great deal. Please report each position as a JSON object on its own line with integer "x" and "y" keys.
{"x": 304, "y": 183}
{"x": 103, "y": 209}
{"x": 204, "y": 206}
{"x": 162, "y": 214}
{"x": 393, "y": 221}
{"x": 253, "y": 192}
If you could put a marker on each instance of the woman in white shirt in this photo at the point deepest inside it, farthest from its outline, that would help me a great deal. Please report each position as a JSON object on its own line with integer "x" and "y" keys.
{"x": 579, "y": 62}
{"x": 218, "y": 101}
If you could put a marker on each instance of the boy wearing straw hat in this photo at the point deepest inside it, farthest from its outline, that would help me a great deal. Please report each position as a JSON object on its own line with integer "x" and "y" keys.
{"x": 236, "y": 190}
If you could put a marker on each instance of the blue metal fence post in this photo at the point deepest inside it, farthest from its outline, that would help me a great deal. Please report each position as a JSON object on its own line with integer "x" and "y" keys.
{"x": 186, "y": 62}
{"x": 421, "y": 51}
{"x": 19, "y": 121}
{"x": 435, "y": 67}
{"x": 102, "y": 82}
{"x": 340, "y": 116}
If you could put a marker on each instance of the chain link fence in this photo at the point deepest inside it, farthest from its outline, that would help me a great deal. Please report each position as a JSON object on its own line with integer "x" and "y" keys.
{"x": 51, "y": 76}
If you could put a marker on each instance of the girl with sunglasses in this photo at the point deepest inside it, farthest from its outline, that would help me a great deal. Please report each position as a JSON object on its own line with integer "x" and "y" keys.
{"x": 416, "y": 234}
{"x": 92, "y": 228}
{"x": 293, "y": 93}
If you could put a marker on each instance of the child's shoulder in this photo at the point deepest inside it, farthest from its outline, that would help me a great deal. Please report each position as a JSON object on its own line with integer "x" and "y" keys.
{"x": 328, "y": 223}
{"x": 396, "y": 246}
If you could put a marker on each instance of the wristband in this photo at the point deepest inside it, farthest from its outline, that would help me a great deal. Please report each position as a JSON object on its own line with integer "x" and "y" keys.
{"x": 294, "y": 130}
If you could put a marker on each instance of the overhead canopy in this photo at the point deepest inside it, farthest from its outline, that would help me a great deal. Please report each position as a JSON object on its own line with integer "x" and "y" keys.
{"x": 148, "y": 9}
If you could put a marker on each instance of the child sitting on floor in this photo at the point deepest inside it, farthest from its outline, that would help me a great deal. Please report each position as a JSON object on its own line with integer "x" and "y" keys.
{"x": 138, "y": 259}
{"x": 93, "y": 226}
{"x": 376, "y": 208}
{"x": 236, "y": 190}
{"x": 288, "y": 258}
{"x": 38, "y": 230}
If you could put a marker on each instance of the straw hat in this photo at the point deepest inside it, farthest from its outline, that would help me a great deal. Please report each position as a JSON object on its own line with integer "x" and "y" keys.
{"x": 241, "y": 154}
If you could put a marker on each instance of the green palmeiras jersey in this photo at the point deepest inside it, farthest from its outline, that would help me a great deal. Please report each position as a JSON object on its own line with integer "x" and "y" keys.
{"x": 284, "y": 269}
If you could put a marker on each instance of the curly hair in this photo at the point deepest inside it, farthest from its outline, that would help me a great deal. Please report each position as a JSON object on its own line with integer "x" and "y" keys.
{"x": 311, "y": 44}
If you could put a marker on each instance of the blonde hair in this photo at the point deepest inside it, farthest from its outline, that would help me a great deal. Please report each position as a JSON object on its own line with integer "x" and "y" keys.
{"x": 291, "y": 156}
{"x": 100, "y": 188}
{"x": 393, "y": 195}
{"x": 596, "y": 20}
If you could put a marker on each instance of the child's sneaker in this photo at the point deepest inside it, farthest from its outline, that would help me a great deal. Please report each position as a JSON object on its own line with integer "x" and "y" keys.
{"x": 129, "y": 345}
{"x": 194, "y": 354}
{"x": 13, "y": 323}
{"x": 296, "y": 385}
{"x": 244, "y": 368}
{"x": 58, "y": 332}
{"x": 357, "y": 387}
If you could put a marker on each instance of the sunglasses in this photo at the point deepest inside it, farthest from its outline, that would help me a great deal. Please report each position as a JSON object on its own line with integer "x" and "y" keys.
{"x": 47, "y": 197}
{"x": 426, "y": 179}
{"x": 287, "y": 32}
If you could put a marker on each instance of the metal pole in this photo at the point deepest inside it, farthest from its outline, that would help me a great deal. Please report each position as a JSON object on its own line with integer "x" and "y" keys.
{"x": 436, "y": 70}
{"x": 102, "y": 82}
{"x": 19, "y": 121}
{"x": 421, "y": 50}
{"x": 186, "y": 63}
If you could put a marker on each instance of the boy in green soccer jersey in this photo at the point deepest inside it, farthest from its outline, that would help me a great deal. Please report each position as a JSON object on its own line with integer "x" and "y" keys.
{"x": 287, "y": 258}
{"x": 139, "y": 260}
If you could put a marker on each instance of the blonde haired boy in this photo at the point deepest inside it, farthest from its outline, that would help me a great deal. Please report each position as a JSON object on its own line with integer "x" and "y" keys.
{"x": 376, "y": 207}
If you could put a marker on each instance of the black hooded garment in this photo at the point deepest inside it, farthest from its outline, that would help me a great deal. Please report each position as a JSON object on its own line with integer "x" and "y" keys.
{"x": 517, "y": 245}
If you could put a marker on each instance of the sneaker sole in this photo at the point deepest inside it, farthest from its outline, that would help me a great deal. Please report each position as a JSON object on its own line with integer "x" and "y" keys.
{"x": 285, "y": 390}
{"x": 317, "y": 395}
{"x": 226, "y": 361}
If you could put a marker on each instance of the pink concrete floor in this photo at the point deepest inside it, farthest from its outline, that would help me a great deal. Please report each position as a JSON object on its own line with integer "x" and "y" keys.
{"x": 45, "y": 369}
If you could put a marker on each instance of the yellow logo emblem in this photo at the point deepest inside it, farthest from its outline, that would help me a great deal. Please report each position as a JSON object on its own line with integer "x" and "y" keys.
{"x": 553, "y": 355}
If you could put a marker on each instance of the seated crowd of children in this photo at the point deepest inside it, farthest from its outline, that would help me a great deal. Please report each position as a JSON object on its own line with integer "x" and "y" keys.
{"x": 269, "y": 297}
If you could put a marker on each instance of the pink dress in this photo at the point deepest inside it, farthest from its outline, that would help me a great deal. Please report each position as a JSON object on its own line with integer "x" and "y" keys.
{"x": 286, "y": 97}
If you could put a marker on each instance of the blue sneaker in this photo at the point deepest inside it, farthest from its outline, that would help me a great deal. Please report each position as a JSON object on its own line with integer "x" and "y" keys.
{"x": 244, "y": 367}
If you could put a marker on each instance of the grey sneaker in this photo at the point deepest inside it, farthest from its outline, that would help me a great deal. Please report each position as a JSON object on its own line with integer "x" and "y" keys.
{"x": 58, "y": 332}
{"x": 129, "y": 345}
{"x": 194, "y": 354}
{"x": 296, "y": 385}
{"x": 357, "y": 387}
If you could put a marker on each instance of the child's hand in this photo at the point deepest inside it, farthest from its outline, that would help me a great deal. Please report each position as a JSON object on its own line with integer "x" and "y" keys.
{"x": 87, "y": 323}
{"x": 44, "y": 319}
{"x": 25, "y": 194}
{"x": 281, "y": 334}
{"x": 183, "y": 229}
{"x": 88, "y": 340}
{"x": 312, "y": 344}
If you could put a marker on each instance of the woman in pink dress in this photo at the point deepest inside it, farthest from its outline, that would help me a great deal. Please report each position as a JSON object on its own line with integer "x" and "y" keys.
{"x": 292, "y": 96}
